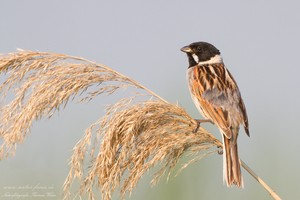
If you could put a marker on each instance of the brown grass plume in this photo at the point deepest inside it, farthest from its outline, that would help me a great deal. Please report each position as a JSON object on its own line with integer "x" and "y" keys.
{"x": 136, "y": 134}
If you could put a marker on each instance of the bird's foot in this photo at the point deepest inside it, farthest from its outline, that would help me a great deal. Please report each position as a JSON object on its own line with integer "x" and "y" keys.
{"x": 220, "y": 150}
{"x": 199, "y": 121}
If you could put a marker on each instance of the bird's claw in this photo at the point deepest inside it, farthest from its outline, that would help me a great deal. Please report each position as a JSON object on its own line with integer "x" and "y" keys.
{"x": 199, "y": 121}
{"x": 197, "y": 127}
{"x": 220, "y": 150}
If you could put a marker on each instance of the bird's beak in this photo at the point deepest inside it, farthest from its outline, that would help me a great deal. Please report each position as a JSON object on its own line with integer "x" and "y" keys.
{"x": 186, "y": 49}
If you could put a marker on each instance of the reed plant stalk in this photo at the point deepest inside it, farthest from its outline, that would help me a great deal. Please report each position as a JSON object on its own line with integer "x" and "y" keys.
{"x": 137, "y": 133}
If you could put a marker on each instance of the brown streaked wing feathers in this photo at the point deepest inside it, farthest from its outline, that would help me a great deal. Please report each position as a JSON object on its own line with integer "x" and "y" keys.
{"x": 245, "y": 124}
{"x": 219, "y": 96}
{"x": 242, "y": 108}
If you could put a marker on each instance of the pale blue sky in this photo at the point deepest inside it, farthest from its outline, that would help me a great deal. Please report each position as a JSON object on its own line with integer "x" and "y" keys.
{"x": 259, "y": 41}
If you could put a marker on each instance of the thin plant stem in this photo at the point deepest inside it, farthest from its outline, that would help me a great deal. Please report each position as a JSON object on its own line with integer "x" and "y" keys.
{"x": 126, "y": 77}
{"x": 261, "y": 181}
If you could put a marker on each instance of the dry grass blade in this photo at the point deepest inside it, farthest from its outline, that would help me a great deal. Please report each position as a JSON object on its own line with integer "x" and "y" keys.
{"x": 136, "y": 138}
{"x": 41, "y": 83}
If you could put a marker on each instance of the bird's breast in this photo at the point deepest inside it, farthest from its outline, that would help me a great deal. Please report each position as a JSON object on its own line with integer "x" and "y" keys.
{"x": 195, "y": 87}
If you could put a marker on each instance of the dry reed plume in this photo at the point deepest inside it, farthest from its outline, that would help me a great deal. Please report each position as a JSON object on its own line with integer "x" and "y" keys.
{"x": 136, "y": 134}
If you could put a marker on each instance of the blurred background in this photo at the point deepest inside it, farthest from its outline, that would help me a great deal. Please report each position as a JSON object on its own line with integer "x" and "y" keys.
{"x": 259, "y": 41}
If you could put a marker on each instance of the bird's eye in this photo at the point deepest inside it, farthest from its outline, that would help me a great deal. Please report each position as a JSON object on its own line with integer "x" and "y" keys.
{"x": 199, "y": 49}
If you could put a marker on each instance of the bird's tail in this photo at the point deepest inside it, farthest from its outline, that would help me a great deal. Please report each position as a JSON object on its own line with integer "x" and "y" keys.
{"x": 231, "y": 163}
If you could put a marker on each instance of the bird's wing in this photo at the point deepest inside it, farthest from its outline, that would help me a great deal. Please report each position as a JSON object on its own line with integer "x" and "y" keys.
{"x": 220, "y": 98}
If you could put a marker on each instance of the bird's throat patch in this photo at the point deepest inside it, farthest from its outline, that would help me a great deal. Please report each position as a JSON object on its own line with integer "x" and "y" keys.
{"x": 196, "y": 58}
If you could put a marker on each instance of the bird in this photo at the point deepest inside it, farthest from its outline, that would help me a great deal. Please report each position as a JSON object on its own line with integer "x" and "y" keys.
{"x": 217, "y": 97}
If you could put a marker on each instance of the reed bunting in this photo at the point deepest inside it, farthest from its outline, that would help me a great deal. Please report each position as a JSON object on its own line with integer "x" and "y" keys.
{"x": 217, "y": 97}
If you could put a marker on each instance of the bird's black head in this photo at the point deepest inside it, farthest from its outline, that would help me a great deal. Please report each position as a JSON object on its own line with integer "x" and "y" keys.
{"x": 199, "y": 52}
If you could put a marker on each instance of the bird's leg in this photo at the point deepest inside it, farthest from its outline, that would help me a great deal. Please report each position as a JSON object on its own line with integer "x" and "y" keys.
{"x": 199, "y": 121}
